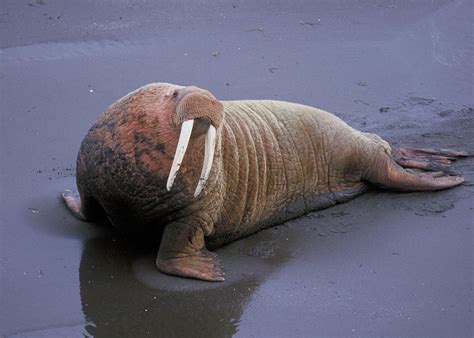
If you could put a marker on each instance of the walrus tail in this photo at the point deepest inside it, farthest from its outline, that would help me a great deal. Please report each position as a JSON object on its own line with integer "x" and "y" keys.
{"x": 433, "y": 169}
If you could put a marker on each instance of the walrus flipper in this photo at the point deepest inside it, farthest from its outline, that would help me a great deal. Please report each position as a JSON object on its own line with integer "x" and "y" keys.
{"x": 183, "y": 253}
{"x": 82, "y": 207}
{"x": 389, "y": 170}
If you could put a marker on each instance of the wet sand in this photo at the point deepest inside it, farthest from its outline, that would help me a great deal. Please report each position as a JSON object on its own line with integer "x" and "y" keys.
{"x": 391, "y": 264}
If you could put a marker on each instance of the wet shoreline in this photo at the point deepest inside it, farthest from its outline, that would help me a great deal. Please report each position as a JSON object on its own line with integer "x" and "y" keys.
{"x": 383, "y": 264}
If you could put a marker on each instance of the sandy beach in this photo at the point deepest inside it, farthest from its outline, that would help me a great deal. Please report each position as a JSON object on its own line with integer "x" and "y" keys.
{"x": 384, "y": 264}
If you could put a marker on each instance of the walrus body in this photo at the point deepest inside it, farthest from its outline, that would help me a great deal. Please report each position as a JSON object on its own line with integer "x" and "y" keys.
{"x": 275, "y": 166}
{"x": 273, "y": 161}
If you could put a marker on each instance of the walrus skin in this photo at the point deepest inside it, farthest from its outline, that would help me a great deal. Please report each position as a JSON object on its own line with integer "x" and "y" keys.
{"x": 273, "y": 161}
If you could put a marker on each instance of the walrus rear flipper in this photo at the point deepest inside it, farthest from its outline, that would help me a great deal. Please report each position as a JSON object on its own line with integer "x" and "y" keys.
{"x": 389, "y": 170}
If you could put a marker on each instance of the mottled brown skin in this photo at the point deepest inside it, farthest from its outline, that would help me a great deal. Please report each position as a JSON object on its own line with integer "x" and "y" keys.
{"x": 274, "y": 161}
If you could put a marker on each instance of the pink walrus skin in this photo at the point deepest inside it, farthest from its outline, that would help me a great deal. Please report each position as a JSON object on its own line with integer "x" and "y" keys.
{"x": 203, "y": 172}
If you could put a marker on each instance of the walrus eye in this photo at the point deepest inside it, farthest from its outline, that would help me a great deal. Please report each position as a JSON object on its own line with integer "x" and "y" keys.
{"x": 184, "y": 136}
{"x": 175, "y": 94}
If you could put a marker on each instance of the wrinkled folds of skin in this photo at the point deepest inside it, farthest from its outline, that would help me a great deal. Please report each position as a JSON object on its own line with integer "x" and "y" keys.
{"x": 194, "y": 173}
{"x": 273, "y": 161}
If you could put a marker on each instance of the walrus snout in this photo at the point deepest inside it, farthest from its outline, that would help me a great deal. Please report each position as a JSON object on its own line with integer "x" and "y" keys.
{"x": 197, "y": 106}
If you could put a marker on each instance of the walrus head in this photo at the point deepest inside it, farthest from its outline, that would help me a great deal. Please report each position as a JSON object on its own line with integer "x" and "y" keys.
{"x": 194, "y": 111}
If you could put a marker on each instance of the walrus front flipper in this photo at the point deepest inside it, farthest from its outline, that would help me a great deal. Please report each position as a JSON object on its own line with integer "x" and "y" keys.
{"x": 83, "y": 208}
{"x": 183, "y": 253}
{"x": 389, "y": 170}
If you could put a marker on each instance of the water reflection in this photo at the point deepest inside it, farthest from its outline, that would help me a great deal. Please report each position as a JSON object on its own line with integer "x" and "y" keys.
{"x": 123, "y": 295}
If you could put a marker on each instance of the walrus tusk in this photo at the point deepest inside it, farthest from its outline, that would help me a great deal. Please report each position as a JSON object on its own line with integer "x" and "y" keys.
{"x": 208, "y": 158}
{"x": 184, "y": 136}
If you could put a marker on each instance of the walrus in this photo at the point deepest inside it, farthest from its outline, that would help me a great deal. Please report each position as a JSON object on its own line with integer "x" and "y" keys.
{"x": 202, "y": 173}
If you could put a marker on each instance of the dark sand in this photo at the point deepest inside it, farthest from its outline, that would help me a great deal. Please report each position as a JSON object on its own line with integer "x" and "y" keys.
{"x": 385, "y": 264}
